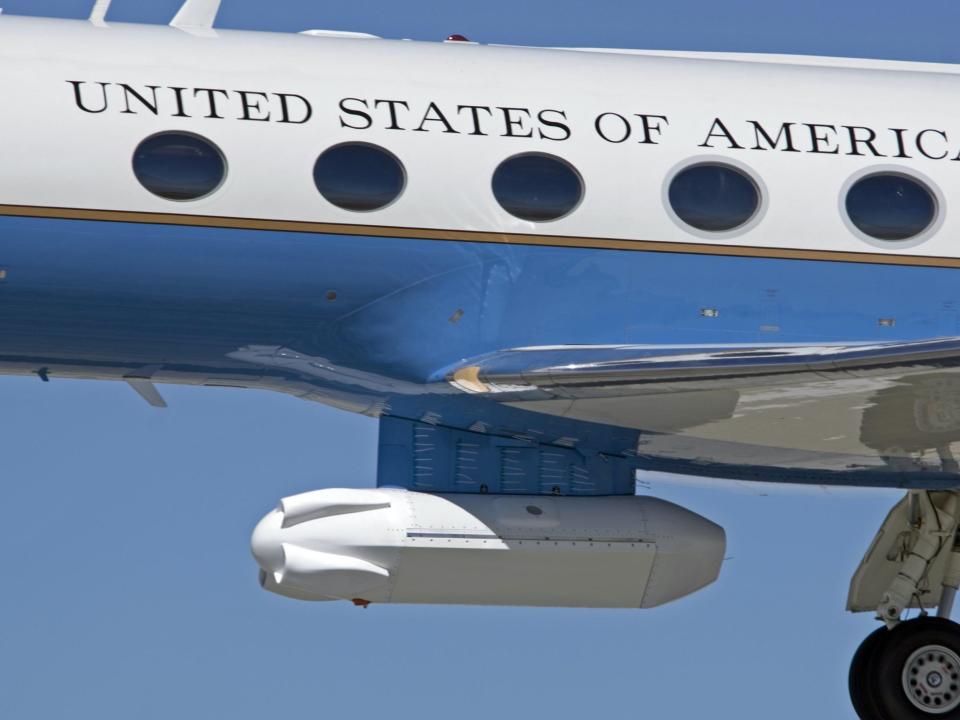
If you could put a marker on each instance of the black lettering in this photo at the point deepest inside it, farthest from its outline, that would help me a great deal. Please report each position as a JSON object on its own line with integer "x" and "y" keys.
{"x": 434, "y": 114}
{"x": 511, "y": 122}
{"x": 559, "y": 125}
{"x": 651, "y": 127}
{"x": 77, "y": 95}
{"x": 719, "y": 130}
{"x": 250, "y": 101}
{"x": 598, "y": 124}
{"x": 128, "y": 91}
{"x": 178, "y": 96}
{"x": 475, "y": 116}
{"x": 817, "y": 140}
{"x": 760, "y": 135}
{"x": 856, "y": 140}
{"x": 923, "y": 150}
{"x": 392, "y": 104}
{"x": 364, "y": 116}
{"x": 901, "y": 145}
{"x": 211, "y": 94}
{"x": 286, "y": 115}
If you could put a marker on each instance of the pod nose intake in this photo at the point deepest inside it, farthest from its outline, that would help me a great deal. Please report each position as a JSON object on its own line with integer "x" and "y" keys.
{"x": 267, "y": 542}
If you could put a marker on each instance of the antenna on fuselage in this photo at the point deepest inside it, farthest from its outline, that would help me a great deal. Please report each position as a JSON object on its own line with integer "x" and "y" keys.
{"x": 195, "y": 15}
{"x": 99, "y": 13}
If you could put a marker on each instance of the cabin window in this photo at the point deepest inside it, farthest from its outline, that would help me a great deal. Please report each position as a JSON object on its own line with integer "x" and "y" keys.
{"x": 359, "y": 177}
{"x": 890, "y": 206}
{"x": 714, "y": 197}
{"x": 179, "y": 166}
{"x": 537, "y": 187}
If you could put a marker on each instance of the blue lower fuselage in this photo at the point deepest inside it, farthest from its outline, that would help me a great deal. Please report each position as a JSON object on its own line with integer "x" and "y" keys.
{"x": 365, "y": 322}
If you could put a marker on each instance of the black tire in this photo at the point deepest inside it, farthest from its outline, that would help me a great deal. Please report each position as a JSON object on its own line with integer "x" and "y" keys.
{"x": 861, "y": 693}
{"x": 890, "y": 661}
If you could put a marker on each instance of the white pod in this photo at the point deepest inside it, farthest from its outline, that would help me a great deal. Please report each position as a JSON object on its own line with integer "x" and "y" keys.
{"x": 341, "y": 576}
{"x": 405, "y": 547}
{"x": 324, "y": 503}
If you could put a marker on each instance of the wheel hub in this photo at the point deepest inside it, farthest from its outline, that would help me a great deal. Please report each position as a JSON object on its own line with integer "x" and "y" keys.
{"x": 931, "y": 679}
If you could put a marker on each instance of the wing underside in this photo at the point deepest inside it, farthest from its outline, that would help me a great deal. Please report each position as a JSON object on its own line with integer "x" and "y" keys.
{"x": 882, "y": 414}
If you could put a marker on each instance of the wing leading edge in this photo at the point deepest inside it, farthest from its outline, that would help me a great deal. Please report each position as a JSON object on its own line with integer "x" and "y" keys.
{"x": 584, "y": 371}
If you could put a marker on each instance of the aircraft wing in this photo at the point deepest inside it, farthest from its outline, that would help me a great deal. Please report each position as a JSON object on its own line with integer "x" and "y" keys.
{"x": 880, "y": 414}
{"x": 597, "y": 371}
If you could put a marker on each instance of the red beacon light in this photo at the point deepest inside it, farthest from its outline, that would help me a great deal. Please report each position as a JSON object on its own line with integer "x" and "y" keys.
{"x": 456, "y": 37}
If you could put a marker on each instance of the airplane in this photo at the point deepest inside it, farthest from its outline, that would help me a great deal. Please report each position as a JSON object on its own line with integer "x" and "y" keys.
{"x": 542, "y": 270}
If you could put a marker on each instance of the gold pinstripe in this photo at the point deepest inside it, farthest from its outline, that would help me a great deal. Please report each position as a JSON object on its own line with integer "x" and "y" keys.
{"x": 697, "y": 248}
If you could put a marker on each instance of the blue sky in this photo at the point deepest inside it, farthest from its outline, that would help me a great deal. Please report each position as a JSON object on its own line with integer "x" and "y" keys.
{"x": 129, "y": 590}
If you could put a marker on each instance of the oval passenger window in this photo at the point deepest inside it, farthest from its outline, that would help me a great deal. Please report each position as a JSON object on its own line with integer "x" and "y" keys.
{"x": 890, "y": 206}
{"x": 179, "y": 166}
{"x": 359, "y": 177}
{"x": 714, "y": 197}
{"x": 537, "y": 187}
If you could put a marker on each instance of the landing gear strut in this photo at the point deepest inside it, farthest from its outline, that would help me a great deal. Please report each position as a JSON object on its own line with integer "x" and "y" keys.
{"x": 910, "y": 670}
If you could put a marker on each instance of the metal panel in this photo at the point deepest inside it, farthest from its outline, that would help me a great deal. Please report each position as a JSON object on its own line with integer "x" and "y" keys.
{"x": 437, "y": 459}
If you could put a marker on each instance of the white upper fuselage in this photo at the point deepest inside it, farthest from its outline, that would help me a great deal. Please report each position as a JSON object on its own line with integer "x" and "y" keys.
{"x": 845, "y": 118}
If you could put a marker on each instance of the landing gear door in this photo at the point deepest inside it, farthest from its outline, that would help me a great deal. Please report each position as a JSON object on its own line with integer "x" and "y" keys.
{"x": 884, "y": 559}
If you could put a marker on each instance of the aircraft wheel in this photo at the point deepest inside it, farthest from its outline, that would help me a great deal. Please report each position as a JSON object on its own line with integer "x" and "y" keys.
{"x": 914, "y": 673}
{"x": 860, "y": 691}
